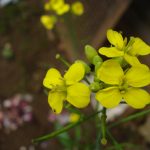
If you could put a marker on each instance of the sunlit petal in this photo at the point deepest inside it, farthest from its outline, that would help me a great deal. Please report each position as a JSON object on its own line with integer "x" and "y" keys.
{"x": 132, "y": 60}
{"x": 78, "y": 95}
{"x": 115, "y": 38}
{"x": 55, "y": 100}
{"x": 109, "y": 97}
{"x": 52, "y": 78}
{"x": 111, "y": 52}
{"x": 138, "y": 76}
{"x": 75, "y": 73}
{"x": 139, "y": 47}
{"x": 137, "y": 98}
{"x": 110, "y": 72}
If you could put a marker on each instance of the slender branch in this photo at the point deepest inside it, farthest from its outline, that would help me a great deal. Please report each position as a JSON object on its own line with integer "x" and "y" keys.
{"x": 131, "y": 117}
{"x": 103, "y": 126}
{"x": 64, "y": 129}
{"x": 59, "y": 57}
{"x": 116, "y": 144}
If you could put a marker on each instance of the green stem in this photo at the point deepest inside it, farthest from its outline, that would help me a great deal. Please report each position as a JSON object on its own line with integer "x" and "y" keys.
{"x": 59, "y": 57}
{"x": 98, "y": 129}
{"x": 72, "y": 33}
{"x": 64, "y": 129}
{"x": 116, "y": 144}
{"x": 103, "y": 126}
{"x": 131, "y": 117}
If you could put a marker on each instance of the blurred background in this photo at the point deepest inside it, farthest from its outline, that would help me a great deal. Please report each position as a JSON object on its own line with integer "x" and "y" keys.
{"x": 27, "y": 50}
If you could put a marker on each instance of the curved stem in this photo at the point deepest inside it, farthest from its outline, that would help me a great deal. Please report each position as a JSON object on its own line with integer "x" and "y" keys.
{"x": 64, "y": 129}
{"x": 131, "y": 117}
{"x": 103, "y": 126}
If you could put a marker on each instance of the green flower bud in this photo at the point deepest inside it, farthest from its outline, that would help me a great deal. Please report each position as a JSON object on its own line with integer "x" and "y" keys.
{"x": 95, "y": 86}
{"x": 7, "y": 52}
{"x": 121, "y": 61}
{"x": 87, "y": 68}
{"x": 90, "y": 53}
{"x": 104, "y": 141}
{"x": 97, "y": 66}
{"x": 97, "y": 59}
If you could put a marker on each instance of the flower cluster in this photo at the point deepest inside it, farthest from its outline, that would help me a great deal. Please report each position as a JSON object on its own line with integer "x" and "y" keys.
{"x": 58, "y": 8}
{"x": 118, "y": 79}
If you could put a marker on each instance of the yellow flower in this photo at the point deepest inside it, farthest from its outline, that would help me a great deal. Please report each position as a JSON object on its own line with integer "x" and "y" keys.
{"x": 77, "y": 8}
{"x": 123, "y": 86}
{"x": 59, "y": 6}
{"x": 47, "y": 6}
{"x": 74, "y": 117}
{"x": 62, "y": 9}
{"x": 120, "y": 48}
{"x": 67, "y": 88}
{"x": 48, "y": 21}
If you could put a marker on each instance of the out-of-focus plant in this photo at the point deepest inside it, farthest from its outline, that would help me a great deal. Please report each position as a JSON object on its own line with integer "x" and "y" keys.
{"x": 7, "y": 51}
{"x": 118, "y": 80}
{"x": 57, "y": 8}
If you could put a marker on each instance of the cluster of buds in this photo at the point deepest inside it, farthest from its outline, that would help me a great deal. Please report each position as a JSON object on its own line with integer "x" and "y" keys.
{"x": 15, "y": 112}
{"x": 119, "y": 79}
{"x": 56, "y": 8}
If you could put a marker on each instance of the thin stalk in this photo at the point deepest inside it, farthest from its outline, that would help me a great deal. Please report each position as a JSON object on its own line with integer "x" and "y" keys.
{"x": 72, "y": 34}
{"x": 103, "y": 126}
{"x": 98, "y": 129}
{"x": 65, "y": 62}
{"x": 64, "y": 129}
{"x": 116, "y": 144}
{"x": 131, "y": 117}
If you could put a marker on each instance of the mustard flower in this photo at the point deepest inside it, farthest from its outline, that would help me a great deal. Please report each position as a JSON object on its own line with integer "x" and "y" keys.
{"x": 123, "y": 85}
{"x": 74, "y": 117}
{"x": 47, "y": 6}
{"x": 58, "y": 6}
{"x": 120, "y": 48}
{"x": 62, "y": 9}
{"x": 67, "y": 88}
{"x": 48, "y": 21}
{"x": 77, "y": 8}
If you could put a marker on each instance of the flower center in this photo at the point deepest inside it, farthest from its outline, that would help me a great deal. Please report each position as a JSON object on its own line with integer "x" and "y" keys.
{"x": 123, "y": 86}
{"x": 59, "y": 87}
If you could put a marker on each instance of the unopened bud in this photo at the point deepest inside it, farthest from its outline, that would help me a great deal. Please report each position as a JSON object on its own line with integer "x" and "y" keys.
{"x": 90, "y": 53}
{"x": 104, "y": 141}
{"x": 87, "y": 68}
{"x": 97, "y": 66}
{"x": 97, "y": 59}
{"x": 95, "y": 86}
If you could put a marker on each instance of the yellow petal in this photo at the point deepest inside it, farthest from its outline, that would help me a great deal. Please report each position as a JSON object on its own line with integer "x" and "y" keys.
{"x": 115, "y": 38}
{"x": 132, "y": 60}
{"x": 55, "y": 100}
{"x": 56, "y": 4}
{"x": 78, "y": 95}
{"x": 52, "y": 78}
{"x": 137, "y": 98}
{"x": 63, "y": 9}
{"x": 110, "y": 72}
{"x": 139, "y": 47}
{"x": 74, "y": 117}
{"x": 75, "y": 73}
{"x": 48, "y": 21}
{"x": 111, "y": 52}
{"x": 109, "y": 97}
{"x": 47, "y": 6}
{"x": 77, "y": 8}
{"x": 138, "y": 76}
